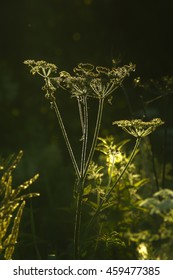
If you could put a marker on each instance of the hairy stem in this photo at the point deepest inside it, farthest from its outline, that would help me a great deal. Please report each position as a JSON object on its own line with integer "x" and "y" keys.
{"x": 57, "y": 112}
{"x": 96, "y": 132}
{"x": 80, "y": 114}
{"x": 84, "y": 169}
{"x": 85, "y": 135}
{"x": 80, "y": 187}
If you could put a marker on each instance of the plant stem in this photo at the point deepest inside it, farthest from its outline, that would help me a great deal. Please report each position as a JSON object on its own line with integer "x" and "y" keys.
{"x": 85, "y": 135}
{"x": 80, "y": 187}
{"x": 96, "y": 132}
{"x": 107, "y": 196}
{"x": 57, "y": 112}
{"x": 84, "y": 169}
{"x": 80, "y": 113}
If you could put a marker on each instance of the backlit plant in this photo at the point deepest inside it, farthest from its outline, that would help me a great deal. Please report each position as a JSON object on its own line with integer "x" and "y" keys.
{"x": 88, "y": 82}
{"x": 12, "y": 203}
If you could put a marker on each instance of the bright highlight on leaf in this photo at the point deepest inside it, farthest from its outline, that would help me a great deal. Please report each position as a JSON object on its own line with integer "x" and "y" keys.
{"x": 12, "y": 202}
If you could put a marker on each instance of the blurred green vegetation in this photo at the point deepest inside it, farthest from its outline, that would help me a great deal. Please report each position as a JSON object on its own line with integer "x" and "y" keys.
{"x": 66, "y": 33}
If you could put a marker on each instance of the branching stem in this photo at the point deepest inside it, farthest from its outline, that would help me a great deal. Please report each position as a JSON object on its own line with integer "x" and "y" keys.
{"x": 57, "y": 112}
{"x": 85, "y": 135}
{"x": 107, "y": 196}
{"x": 84, "y": 169}
{"x": 96, "y": 132}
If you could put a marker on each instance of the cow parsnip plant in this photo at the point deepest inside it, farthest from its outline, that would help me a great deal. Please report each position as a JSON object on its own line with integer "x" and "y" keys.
{"x": 12, "y": 203}
{"x": 88, "y": 82}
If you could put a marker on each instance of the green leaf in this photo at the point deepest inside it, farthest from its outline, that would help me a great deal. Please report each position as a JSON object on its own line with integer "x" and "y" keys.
{"x": 141, "y": 182}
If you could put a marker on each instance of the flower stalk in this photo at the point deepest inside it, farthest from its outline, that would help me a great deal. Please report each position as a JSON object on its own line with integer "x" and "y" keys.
{"x": 87, "y": 82}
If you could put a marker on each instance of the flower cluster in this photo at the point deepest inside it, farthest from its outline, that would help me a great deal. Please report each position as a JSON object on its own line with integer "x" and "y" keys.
{"x": 98, "y": 82}
{"x": 44, "y": 69}
{"x": 139, "y": 128}
{"x": 41, "y": 67}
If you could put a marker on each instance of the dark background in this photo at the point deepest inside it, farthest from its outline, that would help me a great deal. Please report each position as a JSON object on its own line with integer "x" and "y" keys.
{"x": 66, "y": 32}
